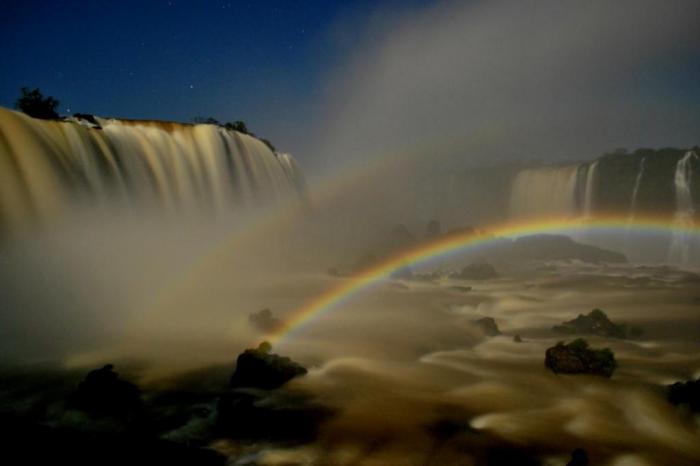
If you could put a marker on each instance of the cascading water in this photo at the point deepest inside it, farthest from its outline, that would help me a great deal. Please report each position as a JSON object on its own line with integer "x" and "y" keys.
{"x": 545, "y": 191}
{"x": 681, "y": 243}
{"x": 46, "y": 166}
{"x": 635, "y": 189}
{"x": 629, "y": 246}
{"x": 589, "y": 191}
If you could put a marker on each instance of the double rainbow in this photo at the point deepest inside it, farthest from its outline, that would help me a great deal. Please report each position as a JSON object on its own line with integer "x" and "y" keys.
{"x": 454, "y": 243}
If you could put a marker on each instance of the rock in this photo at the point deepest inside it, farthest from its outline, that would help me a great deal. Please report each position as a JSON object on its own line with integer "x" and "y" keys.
{"x": 595, "y": 323}
{"x": 560, "y": 247}
{"x": 579, "y": 457}
{"x": 517, "y": 338}
{"x": 333, "y": 272}
{"x": 280, "y": 415}
{"x": 488, "y": 326}
{"x": 476, "y": 271}
{"x": 685, "y": 393}
{"x": 578, "y": 358}
{"x": 432, "y": 230}
{"x": 103, "y": 393}
{"x": 258, "y": 368}
{"x": 264, "y": 321}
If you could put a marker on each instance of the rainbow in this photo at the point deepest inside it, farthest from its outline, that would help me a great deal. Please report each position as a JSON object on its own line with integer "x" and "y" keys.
{"x": 454, "y": 243}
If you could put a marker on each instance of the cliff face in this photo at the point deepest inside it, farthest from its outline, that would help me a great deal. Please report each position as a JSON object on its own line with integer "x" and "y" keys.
{"x": 652, "y": 173}
{"x": 646, "y": 182}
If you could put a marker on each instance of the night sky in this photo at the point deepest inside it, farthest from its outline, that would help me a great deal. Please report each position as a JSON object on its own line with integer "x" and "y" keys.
{"x": 273, "y": 64}
{"x": 260, "y": 61}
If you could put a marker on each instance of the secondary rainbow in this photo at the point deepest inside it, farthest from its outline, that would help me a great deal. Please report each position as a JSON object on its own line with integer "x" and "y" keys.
{"x": 453, "y": 243}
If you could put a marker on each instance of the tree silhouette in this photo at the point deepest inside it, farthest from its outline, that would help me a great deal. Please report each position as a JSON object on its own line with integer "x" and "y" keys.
{"x": 33, "y": 103}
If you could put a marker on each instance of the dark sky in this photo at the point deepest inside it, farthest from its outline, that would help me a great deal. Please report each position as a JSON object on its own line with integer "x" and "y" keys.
{"x": 387, "y": 71}
{"x": 259, "y": 61}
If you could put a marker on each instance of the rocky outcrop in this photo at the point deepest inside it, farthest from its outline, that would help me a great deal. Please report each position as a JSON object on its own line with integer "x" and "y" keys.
{"x": 103, "y": 393}
{"x": 685, "y": 393}
{"x": 577, "y": 358}
{"x": 560, "y": 247}
{"x": 579, "y": 457}
{"x": 258, "y": 368}
{"x": 259, "y": 408}
{"x": 595, "y": 322}
{"x": 488, "y": 326}
{"x": 476, "y": 271}
{"x": 280, "y": 415}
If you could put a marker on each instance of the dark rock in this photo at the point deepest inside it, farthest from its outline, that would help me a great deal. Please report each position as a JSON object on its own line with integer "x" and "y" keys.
{"x": 35, "y": 443}
{"x": 264, "y": 321}
{"x": 578, "y": 358}
{"x": 488, "y": 326}
{"x": 258, "y": 368}
{"x": 433, "y": 230}
{"x": 517, "y": 338}
{"x": 560, "y": 247}
{"x": 333, "y": 272}
{"x": 685, "y": 393}
{"x": 476, "y": 271}
{"x": 103, "y": 393}
{"x": 280, "y": 415}
{"x": 579, "y": 457}
{"x": 595, "y": 323}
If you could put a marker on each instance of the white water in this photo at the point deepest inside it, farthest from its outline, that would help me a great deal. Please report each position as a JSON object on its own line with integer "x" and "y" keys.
{"x": 46, "y": 167}
{"x": 682, "y": 244}
{"x": 544, "y": 191}
{"x": 635, "y": 190}
{"x": 588, "y": 195}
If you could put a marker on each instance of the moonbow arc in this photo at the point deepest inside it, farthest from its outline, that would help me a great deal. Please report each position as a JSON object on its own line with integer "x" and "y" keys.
{"x": 450, "y": 244}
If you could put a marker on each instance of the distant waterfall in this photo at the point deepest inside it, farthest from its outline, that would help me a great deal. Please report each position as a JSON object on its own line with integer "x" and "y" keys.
{"x": 635, "y": 189}
{"x": 682, "y": 244}
{"x": 544, "y": 191}
{"x": 45, "y": 166}
{"x": 588, "y": 193}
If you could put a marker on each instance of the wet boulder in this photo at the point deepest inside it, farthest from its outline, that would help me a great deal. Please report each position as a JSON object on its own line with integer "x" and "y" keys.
{"x": 579, "y": 457}
{"x": 685, "y": 393}
{"x": 595, "y": 322}
{"x": 259, "y": 368}
{"x": 103, "y": 393}
{"x": 279, "y": 415}
{"x": 578, "y": 358}
{"x": 488, "y": 326}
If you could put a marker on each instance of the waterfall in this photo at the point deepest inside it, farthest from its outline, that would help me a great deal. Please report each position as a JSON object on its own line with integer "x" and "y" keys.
{"x": 635, "y": 189}
{"x": 629, "y": 245}
{"x": 682, "y": 243}
{"x": 48, "y": 166}
{"x": 588, "y": 194}
{"x": 538, "y": 192}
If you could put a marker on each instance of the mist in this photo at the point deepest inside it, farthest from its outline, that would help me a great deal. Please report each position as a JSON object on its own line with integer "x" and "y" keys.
{"x": 463, "y": 267}
{"x": 465, "y": 83}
